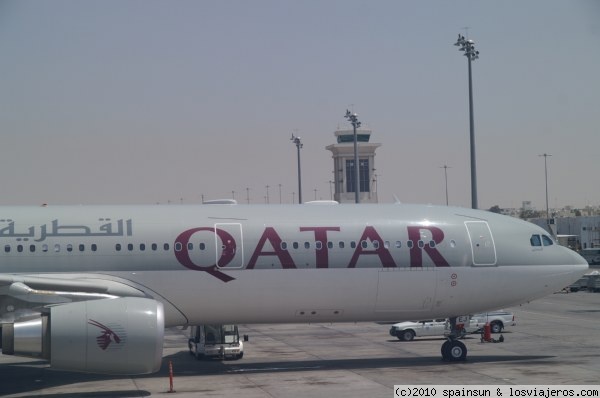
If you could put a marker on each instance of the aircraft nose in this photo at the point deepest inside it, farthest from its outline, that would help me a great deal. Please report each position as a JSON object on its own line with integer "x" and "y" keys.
{"x": 579, "y": 263}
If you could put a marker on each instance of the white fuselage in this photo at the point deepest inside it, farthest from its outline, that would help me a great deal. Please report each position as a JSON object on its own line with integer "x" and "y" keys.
{"x": 227, "y": 264}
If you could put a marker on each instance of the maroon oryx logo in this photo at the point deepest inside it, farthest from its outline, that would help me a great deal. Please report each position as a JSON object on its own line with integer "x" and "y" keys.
{"x": 106, "y": 337}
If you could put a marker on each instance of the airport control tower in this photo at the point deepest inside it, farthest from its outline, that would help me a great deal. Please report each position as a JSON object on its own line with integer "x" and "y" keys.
{"x": 343, "y": 166}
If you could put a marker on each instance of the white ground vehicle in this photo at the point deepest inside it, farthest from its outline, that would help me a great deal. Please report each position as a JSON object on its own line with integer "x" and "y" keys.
{"x": 406, "y": 331}
{"x": 498, "y": 320}
{"x": 215, "y": 341}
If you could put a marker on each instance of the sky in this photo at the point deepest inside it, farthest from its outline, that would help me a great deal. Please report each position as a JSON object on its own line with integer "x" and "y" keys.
{"x": 141, "y": 102}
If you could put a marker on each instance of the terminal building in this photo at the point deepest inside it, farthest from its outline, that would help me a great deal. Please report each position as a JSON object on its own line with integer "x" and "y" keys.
{"x": 343, "y": 166}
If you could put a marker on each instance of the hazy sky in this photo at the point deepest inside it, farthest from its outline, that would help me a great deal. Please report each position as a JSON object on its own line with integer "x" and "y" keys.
{"x": 149, "y": 101}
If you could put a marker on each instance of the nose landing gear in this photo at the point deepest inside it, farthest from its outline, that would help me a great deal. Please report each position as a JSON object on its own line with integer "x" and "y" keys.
{"x": 452, "y": 349}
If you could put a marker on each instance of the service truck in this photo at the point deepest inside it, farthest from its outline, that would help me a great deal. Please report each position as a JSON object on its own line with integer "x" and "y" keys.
{"x": 215, "y": 341}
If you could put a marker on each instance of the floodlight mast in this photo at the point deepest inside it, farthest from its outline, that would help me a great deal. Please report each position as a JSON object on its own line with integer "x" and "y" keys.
{"x": 353, "y": 119}
{"x": 545, "y": 155}
{"x": 446, "y": 167}
{"x": 296, "y": 140}
{"x": 468, "y": 47}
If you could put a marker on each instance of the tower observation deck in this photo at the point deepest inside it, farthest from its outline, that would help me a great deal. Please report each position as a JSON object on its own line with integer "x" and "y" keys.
{"x": 343, "y": 166}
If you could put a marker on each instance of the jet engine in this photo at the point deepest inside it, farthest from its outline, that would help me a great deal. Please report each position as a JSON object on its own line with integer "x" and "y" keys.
{"x": 111, "y": 336}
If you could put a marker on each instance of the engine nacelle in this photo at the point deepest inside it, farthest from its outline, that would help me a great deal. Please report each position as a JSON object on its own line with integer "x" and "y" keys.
{"x": 110, "y": 336}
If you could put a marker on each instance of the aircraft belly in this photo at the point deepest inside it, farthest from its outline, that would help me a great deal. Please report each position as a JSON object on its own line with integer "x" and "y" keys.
{"x": 404, "y": 290}
{"x": 269, "y": 295}
{"x": 345, "y": 295}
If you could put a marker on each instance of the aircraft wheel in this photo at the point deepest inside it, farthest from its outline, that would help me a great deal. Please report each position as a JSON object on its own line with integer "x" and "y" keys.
{"x": 458, "y": 351}
{"x": 454, "y": 351}
{"x": 445, "y": 350}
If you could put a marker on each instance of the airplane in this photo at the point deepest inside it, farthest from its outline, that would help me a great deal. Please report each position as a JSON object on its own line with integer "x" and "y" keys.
{"x": 92, "y": 288}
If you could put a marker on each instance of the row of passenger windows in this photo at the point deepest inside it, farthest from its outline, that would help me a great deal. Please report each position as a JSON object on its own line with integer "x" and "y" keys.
{"x": 47, "y": 248}
{"x": 330, "y": 245}
{"x": 364, "y": 244}
{"x": 57, "y": 248}
{"x": 535, "y": 240}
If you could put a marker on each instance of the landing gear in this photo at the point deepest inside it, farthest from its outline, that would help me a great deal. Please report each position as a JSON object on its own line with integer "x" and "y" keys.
{"x": 452, "y": 349}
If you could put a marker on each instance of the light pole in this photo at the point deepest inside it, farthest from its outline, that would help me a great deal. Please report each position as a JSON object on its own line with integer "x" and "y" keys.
{"x": 445, "y": 167}
{"x": 468, "y": 46}
{"x": 545, "y": 155}
{"x": 296, "y": 140}
{"x": 353, "y": 119}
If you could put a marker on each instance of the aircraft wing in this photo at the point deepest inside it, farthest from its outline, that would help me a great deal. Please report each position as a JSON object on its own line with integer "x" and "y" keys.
{"x": 22, "y": 296}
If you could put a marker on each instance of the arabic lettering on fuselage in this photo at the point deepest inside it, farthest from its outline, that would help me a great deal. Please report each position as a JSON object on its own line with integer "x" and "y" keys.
{"x": 55, "y": 229}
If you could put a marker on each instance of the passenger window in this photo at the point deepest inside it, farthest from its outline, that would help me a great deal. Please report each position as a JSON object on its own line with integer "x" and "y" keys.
{"x": 353, "y": 244}
{"x": 130, "y": 246}
{"x": 432, "y": 244}
{"x": 154, "y": 247}
{"x": 295, "y": 245}
{"x": 376, "y": 244}
{"x": 202, "y": 246}
{"x": 330, "y": 245}
{"x": 190, "y": 246}
{"x": 342, "y": 244}
{"x": 178, "y": 246}
{"x": 283, "y": 245}
{"x": 364, "y": 244}
{"x": 319, "y": 245}
{"x": 535, "y": 240}
{"x": 142, "y": 246}
{"x": 166, "y": 246}
{"x": 547, "y": 241}
{"x": 32, "y": 248}
{"x": 69, "y": 247}
{"x": 409, "y": 244}
{"x": 94, "y": 247}
{"x": 81, "y": 247}
{"x": 118, "y": 247}
{"x": 6, "y": 248}
{"x": 20, "y": 248}
{"x": 386, "y": 244}
{"x": 307, "y": 245}
{"x": 421, "y": 244}
{"x": 398, "y": 244}
{"x": 56, "y": 248}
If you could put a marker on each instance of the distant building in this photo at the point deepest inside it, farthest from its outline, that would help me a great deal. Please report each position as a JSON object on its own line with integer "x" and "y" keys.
{"x": 585, "y": 230}
{"x": 343, "y": 166}
{"x": 527, "y": 206}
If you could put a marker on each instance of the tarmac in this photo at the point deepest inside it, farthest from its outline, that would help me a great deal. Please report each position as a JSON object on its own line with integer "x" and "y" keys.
{"x": 555, "y": 341}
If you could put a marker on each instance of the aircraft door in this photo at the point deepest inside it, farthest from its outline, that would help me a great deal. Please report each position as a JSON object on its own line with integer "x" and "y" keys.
{"x": 229, "y": 245}
{"x": 482, "y": 243}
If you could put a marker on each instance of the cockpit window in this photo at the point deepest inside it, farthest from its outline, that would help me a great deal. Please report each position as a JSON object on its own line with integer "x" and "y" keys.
{"x": 535, "y": 240}
{"x": 547, "y": 240}
{"x": 539, "y": 240}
